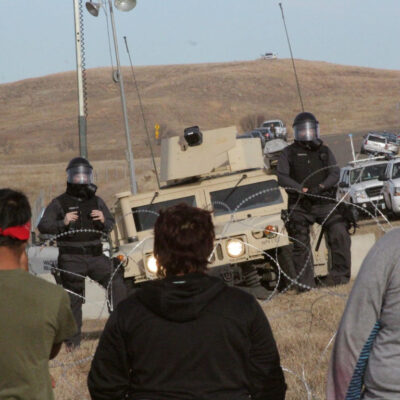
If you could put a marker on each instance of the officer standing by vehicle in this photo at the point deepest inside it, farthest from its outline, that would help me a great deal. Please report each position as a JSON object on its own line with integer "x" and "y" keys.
{"x": 308, "y": 171}
{"x": 82, "y": 218}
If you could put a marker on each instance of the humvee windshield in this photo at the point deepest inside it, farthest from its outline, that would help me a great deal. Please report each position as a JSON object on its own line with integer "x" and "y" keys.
{"x": 145, "y": 216}
{"x": 246, "y": 197}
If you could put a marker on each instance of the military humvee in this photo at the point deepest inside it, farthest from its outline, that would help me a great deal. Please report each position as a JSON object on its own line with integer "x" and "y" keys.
{"x": 215, "y": 171}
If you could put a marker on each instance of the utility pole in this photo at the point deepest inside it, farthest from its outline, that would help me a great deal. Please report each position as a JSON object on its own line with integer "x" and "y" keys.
{"x": 79, "y": 70}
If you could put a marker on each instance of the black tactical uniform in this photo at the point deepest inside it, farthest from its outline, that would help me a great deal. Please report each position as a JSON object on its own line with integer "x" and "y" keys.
{"x": 81, "y": 252}
{"x": 308, "y": 163}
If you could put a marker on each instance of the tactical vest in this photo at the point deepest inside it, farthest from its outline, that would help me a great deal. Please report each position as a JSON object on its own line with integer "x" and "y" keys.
{"x": 308, "y": 167}
{"x": 85, "y": 221}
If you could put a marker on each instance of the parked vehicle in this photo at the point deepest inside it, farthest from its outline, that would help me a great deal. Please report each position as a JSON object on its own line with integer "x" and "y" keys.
{"x": 277, "y": 127}
{"x": 391, "y": 186}
{"x": 379, "y": 143}
{"x": 361, "y": 183}
{"x": 226, "y": 176}
{"x": 272, "y": 152}
{"x": 264, "y": 134}
{"x": 269, "y": 56}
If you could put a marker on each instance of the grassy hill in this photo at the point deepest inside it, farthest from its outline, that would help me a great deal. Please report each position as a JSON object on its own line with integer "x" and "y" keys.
{"x": 38, "y": 117}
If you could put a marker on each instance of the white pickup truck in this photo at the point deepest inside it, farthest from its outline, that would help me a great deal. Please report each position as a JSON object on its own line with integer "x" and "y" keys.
{"x": 277, "y": 127}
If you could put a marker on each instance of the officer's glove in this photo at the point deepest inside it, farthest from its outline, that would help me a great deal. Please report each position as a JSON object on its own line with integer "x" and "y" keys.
{"x": 316, "y": 190}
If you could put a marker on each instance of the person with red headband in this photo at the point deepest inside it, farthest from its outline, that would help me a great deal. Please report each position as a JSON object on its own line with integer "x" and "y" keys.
{"x": 35, "y": 315}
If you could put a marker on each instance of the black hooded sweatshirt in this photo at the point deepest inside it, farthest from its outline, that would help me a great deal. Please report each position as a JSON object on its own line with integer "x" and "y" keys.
{"x": 187, "y": 337}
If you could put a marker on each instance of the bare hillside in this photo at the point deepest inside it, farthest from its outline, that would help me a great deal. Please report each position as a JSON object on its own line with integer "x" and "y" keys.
{"x": 39, "y": 116}
{"x": 39, "y": 128}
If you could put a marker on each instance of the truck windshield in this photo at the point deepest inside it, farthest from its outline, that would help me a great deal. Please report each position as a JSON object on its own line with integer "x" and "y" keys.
{"x": 269, "y": 124}
{"x": 376, "y": 139}
{"x": 246, "y": 197}
{"x": 367, "y": 173}
{"x": 145, "y": 216}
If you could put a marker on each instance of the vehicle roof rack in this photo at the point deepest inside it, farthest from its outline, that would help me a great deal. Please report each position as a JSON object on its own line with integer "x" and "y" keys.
{"x": 363, "y": 160}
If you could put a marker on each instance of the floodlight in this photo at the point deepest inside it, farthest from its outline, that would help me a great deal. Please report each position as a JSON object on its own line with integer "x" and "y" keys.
{"x": 124, "y": 5}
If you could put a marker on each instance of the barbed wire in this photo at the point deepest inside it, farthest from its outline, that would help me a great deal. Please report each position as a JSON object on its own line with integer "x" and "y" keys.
{"x": 270, "y": 256}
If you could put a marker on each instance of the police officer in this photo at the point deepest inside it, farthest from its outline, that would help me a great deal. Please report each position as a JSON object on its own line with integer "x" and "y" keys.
{"x": 307, "y": 170}
{"x": 82, "y": 217}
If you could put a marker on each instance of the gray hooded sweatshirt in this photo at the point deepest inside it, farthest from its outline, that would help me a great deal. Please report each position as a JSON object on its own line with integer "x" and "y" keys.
{"x": 365, "y": 361}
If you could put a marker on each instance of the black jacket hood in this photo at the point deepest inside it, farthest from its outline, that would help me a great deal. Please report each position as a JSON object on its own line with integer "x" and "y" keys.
{"x": 180, "y": 298}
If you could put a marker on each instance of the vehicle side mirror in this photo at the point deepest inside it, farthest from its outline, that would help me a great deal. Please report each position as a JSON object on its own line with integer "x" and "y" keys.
{"x": 343, "y": 185}
{"x": 383, "y": 178}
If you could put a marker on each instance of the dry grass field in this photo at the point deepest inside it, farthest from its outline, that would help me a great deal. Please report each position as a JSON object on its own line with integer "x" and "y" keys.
{"x": 303, "y": 326}
{"x": 39, "y": 134}
{"x": 38, "y": 117}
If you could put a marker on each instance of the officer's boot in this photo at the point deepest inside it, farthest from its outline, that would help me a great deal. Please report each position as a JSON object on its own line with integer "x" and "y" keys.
{"x": 252, "y": 283}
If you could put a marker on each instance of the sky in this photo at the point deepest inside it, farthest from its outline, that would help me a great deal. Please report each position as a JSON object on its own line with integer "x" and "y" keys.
{"x": 37, "y": 37}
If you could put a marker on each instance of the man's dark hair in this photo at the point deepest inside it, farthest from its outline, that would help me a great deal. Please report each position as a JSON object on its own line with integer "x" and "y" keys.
{"x": 14, "y": 211}
{"x": 183, "y": 240}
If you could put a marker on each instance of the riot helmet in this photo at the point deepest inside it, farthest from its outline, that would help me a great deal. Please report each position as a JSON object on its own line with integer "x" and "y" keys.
{"x": 79, "y": 171}
{"x": 305, "y": 127}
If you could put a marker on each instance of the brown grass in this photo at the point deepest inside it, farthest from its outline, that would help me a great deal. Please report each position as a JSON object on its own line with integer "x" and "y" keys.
{"x": 303, "y": 326}
{"x": 38, "y": 117}
{"x": 38, "y": 130}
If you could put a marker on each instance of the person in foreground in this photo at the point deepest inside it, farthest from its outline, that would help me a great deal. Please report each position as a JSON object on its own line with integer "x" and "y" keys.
{"x": 365, "y": 361}
{"x": 35, "y": 316}
{"x": 188, "y": 335}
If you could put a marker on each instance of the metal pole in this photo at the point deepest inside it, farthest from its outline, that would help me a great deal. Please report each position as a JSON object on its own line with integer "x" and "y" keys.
{"x": 81, "y": 116}
{"x": 123, "y": 103}
{"x": 352, "y": 146}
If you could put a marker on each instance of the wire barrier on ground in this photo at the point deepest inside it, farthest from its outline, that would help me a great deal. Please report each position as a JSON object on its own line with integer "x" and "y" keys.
{"x": 304, "y": 325}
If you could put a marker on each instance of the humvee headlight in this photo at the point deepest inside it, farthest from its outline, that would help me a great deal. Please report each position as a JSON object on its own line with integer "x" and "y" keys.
{"x": 271, "y": 231}
{"x": 235, "y": 247}
{"x": 151, "y": 264}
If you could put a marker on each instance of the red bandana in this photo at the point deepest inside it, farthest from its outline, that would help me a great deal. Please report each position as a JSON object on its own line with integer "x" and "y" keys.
{"x": 17, "y": 232}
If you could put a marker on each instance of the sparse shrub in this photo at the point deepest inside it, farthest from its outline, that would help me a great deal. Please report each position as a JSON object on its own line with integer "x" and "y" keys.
{"x": 251, "y": 121}
{"x": 166, "y": 132}
{"x": 68, "y": 142}
{"x": 7, "y": 146}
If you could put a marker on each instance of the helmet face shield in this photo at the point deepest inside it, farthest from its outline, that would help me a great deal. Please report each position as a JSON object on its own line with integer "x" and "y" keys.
{"x": 306, "y": 131}
{"x": 80, "y": 174}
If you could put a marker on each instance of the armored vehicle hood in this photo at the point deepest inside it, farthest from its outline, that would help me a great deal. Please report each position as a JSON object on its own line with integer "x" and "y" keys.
{"x": 219, "y": 153}
{"x": 180, "y": 298}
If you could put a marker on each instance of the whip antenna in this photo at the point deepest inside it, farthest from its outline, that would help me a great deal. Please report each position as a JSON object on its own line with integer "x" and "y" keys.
{"x": 142, "y": 113}
{"x": 291, "y": 56}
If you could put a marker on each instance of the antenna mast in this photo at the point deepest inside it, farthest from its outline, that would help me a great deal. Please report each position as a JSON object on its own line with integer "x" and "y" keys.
{"x": 142, "y": 112}
{"x": 291, "y": 56}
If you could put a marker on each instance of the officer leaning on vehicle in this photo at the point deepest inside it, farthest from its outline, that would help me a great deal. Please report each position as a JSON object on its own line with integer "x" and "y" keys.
{"x": 80, "y": 251}
{"x": 307, "y": 169}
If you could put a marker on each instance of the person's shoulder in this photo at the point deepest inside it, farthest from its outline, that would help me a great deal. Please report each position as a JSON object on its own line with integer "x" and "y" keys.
{"x": 130, "y": 303}
{"x": 391, "y": 237}
{"x": 289, "y": 147}
{"x": 57, "y": 199}
{"x": 238, "y": 298}
{"x": 325, "y": 148}
{"x": 235, "y": 304}
{"x": 100, "y": 201}
{"x": 40, "y": 285}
